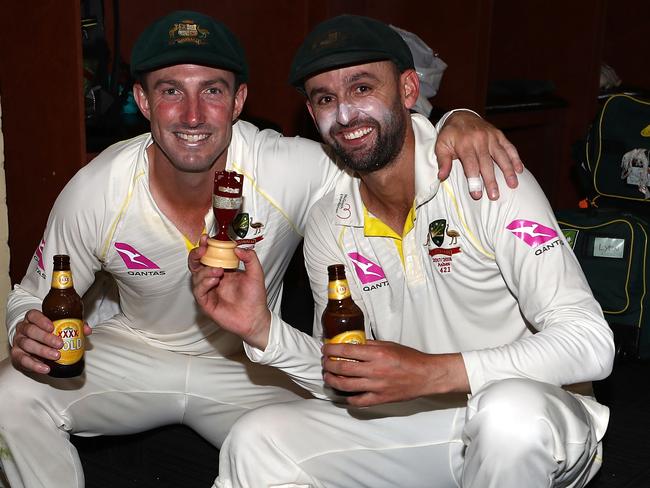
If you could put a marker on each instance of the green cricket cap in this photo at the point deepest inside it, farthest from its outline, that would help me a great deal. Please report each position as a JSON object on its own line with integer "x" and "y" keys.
{"x": 186, "y": 37}
{"x": 348, "y": 40}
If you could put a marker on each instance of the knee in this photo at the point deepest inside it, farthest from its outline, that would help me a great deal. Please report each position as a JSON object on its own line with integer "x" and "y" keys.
{"x": 511, "y": 415}
{"x": 259, "y": 428}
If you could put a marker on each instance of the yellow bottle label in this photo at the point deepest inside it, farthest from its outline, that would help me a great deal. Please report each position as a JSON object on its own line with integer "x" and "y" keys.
{"x": 338, "y": 290}
{"x": 72, "y": 333}
{"x": 348, "y": 337}
{"x": 61, "y": 280}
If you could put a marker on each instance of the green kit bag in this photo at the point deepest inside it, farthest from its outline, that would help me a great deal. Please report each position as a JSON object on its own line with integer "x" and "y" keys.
{"x": 612, "y": 248}
{"x": 615, "y": 165}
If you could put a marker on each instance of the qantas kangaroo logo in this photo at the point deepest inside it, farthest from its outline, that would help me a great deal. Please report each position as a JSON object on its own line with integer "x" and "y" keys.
{"x": 39, "y": 254}
{"x": 531, "y": 232}
{"x": 367, "y": 271}
{"x": 133, "y": 258}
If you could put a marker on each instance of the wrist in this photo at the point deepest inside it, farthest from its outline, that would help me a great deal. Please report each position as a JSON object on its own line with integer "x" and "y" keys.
{"x": 458, "y": 113}
{"x": 259, "y": 336}
{"x": 447, "y": 374}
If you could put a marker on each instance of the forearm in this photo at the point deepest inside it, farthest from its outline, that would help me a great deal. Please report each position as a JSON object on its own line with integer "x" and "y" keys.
{"x": 577, "y": 348}
{"x": 294, "y": 352}
{"x": 446, "y": 374}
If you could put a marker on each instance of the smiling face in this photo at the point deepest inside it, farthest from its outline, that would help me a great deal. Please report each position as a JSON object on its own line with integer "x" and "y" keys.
{"x": 362, "y": 112}
{"x": 191, "y": 109}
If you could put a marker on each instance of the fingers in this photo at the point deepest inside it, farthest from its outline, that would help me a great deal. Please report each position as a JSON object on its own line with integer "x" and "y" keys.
{"x": 478, "y": 145}
{"x": 471, "y": 168}
{"x": 486, "y": 166}
{"x": 251, "y": 262}
{"x": 365, "y": 399}
{"x": 351, "y": 352}
{"x": 195, "y": 255}
{"x": 504, "y": 145}
{"x": 204, "y": 280}
{"x": 444, "y": 163}
{"x": 25, "y": 362}
{"x": 34, "y": 341}
{"x": 87, "y": 329}
{"x": 39, "y": 328}
{"x": 513, "y": 154}
{"x": 344, "y": 382}
{"x": 506, "y": 156}
{"x": 39, "y": 319}
{"x": 505, "y": 163}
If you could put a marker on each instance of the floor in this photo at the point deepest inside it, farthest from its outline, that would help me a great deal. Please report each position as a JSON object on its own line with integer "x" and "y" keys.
{"x": 626, "y": 456}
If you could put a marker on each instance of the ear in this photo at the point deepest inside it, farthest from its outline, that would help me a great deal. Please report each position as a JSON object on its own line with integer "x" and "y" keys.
{"x": 410, "y": 87}
{"x": 240, "y": 99}
{"x": 140, "y": 96}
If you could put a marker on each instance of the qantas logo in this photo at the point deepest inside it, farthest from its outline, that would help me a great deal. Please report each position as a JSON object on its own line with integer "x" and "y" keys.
{"x": 39, "y": 254}
{"x": 367, "y": 271}
{"x": 133, "y": 258}
{"x": 531, "y": 232}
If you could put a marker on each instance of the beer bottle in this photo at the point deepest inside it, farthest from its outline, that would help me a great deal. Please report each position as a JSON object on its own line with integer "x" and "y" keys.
{"x": 342, "y": 319}
{"x": 63, "y": 306}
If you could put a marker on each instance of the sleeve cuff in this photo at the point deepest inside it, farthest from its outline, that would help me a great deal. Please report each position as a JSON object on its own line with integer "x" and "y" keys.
{"x": 444, "y": 118}
{"x": 474, "y": 370}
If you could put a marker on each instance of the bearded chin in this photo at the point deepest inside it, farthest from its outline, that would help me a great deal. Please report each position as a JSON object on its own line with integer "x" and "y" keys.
{"x": 383, "y": 152}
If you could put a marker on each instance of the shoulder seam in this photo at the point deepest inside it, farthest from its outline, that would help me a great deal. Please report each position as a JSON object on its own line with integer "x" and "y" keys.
{"x": 118, "y": 217}
{"x": 470, "y": 235}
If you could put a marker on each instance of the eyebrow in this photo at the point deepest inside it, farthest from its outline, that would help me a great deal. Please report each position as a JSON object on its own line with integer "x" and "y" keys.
{"x": 348, "y": 80}
{"x": 358, "y": 76}
{"x": 220, "y": 80}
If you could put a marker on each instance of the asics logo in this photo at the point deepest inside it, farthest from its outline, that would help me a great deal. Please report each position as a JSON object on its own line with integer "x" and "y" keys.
{"x": 367, "y": 271}
{"x": 531, "y": 232}
{"x": 132, "y": 258}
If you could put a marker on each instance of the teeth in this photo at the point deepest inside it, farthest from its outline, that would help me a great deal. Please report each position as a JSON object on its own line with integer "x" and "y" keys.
{"x": 192, "y": 137}
{"x": 357, "y": 133}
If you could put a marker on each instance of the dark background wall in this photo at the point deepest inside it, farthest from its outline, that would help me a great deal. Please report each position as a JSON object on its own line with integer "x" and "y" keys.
{"x": 482, "y": 41}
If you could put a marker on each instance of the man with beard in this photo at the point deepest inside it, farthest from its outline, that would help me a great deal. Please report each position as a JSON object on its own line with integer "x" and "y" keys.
{"x": 135, "y": 212}
{"x": 482, "y": 323}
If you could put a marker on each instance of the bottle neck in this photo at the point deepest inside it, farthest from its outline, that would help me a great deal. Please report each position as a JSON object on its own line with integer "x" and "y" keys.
{"x": 62, "y": 280}
{"x": 338, "y": 289}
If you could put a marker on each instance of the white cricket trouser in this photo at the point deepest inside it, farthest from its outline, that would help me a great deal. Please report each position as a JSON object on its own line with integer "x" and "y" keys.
{"x": 513, "y": 433}
{"x": 128, "y": 386}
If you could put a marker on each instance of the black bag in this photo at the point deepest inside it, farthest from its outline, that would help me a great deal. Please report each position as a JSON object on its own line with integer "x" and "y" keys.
{"x": 615, "y": 166}
{"x": 612, "y": 248}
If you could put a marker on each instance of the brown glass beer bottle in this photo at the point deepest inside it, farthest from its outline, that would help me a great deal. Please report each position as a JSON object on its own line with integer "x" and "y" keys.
{"x": 63, "y": 306}
{"x": 342, "y": 319}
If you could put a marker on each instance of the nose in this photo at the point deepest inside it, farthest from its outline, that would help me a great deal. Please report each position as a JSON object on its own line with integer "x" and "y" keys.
{"x": 192, "y": 114}
{"x": 345, "y": 113}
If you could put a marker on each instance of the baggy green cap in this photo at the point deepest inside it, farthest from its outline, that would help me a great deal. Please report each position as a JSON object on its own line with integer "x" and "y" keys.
{"x": 347, "y": 40}
{"x": 186, "y": 37}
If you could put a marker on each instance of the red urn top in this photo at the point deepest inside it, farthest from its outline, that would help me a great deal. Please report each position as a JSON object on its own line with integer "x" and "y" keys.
{"x": 228, "y": 184}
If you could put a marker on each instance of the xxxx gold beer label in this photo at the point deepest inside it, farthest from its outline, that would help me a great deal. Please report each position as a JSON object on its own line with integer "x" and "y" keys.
{"x": 338, "y": 290}
{"x": 72, "y": 333}
{"x": 61, "y": 280}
